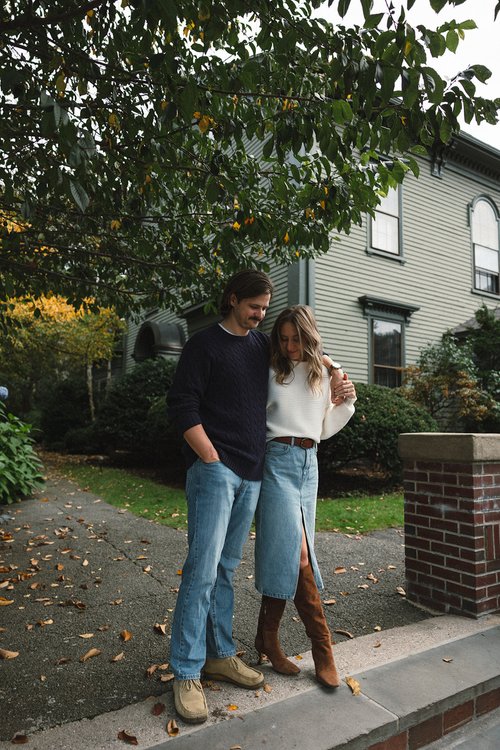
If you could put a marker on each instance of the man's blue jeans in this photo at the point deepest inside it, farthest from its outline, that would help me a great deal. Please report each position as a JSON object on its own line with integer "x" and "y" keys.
{"x": 221, "y": 506}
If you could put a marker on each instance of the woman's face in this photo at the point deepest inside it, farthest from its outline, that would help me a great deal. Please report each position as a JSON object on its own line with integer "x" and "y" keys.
{"x": 290, "y": 342}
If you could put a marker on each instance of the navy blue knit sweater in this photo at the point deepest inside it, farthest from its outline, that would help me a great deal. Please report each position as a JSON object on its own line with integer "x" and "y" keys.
{"x": 221, "y": 383}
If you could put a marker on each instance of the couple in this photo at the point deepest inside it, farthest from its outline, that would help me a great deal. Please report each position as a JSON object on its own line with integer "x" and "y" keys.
{"x": 251, "y": 410}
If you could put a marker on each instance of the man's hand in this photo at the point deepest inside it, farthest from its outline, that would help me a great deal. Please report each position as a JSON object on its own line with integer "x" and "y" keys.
{"x": 198, "y": 440}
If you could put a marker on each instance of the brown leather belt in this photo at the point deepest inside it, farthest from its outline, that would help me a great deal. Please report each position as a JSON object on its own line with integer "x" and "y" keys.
{"x": 300, "y": 442}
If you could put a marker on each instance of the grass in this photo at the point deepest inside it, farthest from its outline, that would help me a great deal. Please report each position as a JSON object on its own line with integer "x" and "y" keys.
{"x": 167, "y": 505}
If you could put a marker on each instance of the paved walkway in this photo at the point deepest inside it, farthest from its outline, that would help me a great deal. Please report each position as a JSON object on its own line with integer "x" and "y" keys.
{"x": 86, "y": 576}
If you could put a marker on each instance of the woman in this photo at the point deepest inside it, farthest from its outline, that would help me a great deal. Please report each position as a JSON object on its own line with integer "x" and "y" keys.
{"x": 300, "y": 413}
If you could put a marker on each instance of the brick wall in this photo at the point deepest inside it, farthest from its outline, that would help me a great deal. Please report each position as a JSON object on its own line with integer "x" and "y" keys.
{"x": 452, "y": 521}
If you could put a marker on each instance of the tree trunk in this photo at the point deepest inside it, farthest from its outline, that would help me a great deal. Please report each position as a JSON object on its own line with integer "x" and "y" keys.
{"x": 90, "y": 391}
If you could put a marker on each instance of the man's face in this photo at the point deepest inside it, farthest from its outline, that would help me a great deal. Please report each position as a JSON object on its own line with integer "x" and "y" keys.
{"x": 249, "y": 311}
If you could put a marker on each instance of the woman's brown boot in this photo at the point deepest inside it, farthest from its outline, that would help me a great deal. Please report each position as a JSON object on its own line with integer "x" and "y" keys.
{"x": 308, "y": 603}
{"x": 266, "y": 640}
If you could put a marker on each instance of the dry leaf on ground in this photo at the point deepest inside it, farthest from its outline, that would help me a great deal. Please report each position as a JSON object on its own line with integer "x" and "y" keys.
{"x": 329, "y": 601}
{"x": 127, "y": 737}
{"x": 118, "y": 657}
{"x": 172, "y": 728}
{"x": 158, "y": 709}
{"x": 126, "y": 635}
{"x": 4, "y": 654}
{"x": 5, "y": 602}
{"x": 93, "y": 652}
{"x": 401, "y": 590}
{"x": 344, "y": 632}
{"x": 19, "y": 739}
{"x": 232, "y": 707}
{"x": 340, "y": 569}
{"x": 354, "y": 685}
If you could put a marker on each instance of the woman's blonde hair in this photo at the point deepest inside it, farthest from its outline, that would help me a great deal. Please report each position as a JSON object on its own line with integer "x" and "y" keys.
{"x": 302, "y": 317}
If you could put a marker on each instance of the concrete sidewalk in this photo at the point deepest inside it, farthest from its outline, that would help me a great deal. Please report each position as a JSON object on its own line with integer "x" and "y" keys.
{"x": 81, "y": 573}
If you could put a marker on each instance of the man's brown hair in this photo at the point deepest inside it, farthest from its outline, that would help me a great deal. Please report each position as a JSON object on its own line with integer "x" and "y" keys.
{"x": 245, "y": 284}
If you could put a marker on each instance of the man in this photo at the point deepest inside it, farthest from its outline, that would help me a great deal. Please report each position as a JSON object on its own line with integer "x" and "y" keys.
{"x": 218, "y": 402}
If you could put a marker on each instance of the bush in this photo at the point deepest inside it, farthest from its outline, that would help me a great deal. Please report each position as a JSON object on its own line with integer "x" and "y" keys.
{"x": 372, "y": 433}
{"x": 64, "y": 407}
{"x": 20, "y": 467}
{"x": 133, "y": 416}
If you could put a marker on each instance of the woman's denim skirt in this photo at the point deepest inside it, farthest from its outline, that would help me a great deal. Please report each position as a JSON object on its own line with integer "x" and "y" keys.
{"x": 287, "y": 502}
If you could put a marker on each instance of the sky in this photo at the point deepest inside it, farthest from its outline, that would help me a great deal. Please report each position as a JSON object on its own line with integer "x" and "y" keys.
{"x": 480, "y": 45}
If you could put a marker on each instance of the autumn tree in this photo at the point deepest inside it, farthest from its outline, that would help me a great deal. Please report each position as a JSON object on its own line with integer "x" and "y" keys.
{"x": 152, "y": 147}
{"x": 446, "y": 381}
{"x": 47, "y": 339}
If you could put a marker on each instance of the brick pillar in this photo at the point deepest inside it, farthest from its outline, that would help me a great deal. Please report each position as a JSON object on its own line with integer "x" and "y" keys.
{"x": 452, "y": 521}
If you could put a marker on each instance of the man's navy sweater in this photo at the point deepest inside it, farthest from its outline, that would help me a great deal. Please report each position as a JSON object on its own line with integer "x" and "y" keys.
{"x": 221, "y": 383}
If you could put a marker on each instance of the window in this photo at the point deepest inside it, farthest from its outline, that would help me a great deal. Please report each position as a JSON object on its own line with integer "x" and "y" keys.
{"x": 485, "y": 247}
{"x": 385, "y": 229}
{"x": 386, "y": 343}
{"x": 387, "y": 322}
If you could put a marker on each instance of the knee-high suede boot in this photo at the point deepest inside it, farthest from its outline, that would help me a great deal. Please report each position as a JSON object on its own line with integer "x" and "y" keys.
{"x": 308, "y": 603}
{"x": 266, "y": 640}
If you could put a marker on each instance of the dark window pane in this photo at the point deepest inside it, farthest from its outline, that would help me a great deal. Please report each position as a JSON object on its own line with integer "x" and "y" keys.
{"x": 386, "y": 348}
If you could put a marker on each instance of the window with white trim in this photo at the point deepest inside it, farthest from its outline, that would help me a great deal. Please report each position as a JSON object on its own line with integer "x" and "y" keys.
{"x": 484, "y": 223}
{"x": 385, "y": 227}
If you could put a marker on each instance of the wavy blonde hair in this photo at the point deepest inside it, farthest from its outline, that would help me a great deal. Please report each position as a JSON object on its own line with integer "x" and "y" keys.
{"x": 302, "y": 317}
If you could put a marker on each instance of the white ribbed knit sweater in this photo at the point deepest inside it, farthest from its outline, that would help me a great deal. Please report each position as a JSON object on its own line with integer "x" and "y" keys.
{"x": 293, "y": 409}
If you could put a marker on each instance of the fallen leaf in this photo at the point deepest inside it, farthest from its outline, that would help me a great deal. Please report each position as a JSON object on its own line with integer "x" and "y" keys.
{"x": 63, "y": 660}
{"x": 377, "y": 645}
{"x": 19, "y": 739}
{"x": 344, "y": 632}
{"x": 447, "y": 659}
{"x": 43, "y": 623}
{"x": 267, "y": 688}
{"x": 296, "y": 619}
{"x": 166, "y": 677}
{"x": 378, "y": 628}
{"x": 339, "y": 569}
{"x": 164, "y": 667}
{"x": 85, "y": 563}
{"x": 371, "y": 577}
{"x": 128, "y": 738}
{"x": 117, "y": 601}
{"x": 141, "y": 557}
{"x": 298, "y": 657}
{"x": 354, "y": 685}
{"x": 179, "y": 572}
{"x": 4, "y": 654}
{"x": 401, "y": 590}
{"x": 151, "y": 670}
{"x": 235, "y": 747}
{"x": 363, "y": 585}
{"x": 329, "y": 601}
{"x": 158, "y": 709}
{"x": 126, "y": 635}
{"x": 4, "y": 602}
{"x": 90, "y": 654}
{"x": 148, "y": 569}
{"x": 86, "y": 635}
{"x": 391, "y": 567}
{"x": 118, "y": 657}
{"x": 232, "y": 707}
{"x": 42, "y": 678}
{"x": 160, "y": 628}
{"x": 172, "y": 728}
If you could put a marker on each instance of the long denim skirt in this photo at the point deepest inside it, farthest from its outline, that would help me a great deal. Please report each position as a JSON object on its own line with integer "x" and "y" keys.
{"x": 287, "y": 502}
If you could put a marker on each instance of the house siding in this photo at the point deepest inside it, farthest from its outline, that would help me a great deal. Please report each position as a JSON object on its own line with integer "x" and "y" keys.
{"x": 436, "y": 276}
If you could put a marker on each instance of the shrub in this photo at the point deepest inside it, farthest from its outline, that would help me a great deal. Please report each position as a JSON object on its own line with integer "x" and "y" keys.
{"x": 20, "y": 467}
{"x": 64, "y": 407}
{"x": 133, "y": 416}
{"x": 372, "y": 433}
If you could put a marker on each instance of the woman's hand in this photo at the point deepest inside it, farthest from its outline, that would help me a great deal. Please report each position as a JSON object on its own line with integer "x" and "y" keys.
{"x": 343, "y": 390}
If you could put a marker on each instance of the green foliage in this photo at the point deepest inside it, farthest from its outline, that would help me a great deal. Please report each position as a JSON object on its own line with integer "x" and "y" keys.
{"x": 133, "y": 417}
{"x": 20, "y": 468}
{"x": 125, "y": 131}
{"x": 458, "y": 381}
{"x": 64, "y": 407}
{"x": 372, "y": 434}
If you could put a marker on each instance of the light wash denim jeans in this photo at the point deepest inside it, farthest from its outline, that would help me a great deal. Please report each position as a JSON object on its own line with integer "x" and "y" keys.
{"x": 287, "y": 503}
{"x": 221, "y": 506}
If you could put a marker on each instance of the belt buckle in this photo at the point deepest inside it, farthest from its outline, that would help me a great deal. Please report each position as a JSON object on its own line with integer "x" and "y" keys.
{"x": 302, "y": 443}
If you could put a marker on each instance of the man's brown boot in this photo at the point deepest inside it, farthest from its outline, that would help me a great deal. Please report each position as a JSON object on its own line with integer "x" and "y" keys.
{"x": 266, "y": 640}
{"x": 308, "y": 603}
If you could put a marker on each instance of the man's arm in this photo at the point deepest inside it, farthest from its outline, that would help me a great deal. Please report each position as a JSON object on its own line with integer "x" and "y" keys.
{"x": 198, "y": 440}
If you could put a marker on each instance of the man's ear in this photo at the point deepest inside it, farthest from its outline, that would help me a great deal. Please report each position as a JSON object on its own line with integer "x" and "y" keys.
{"x": 233, "y": 300}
